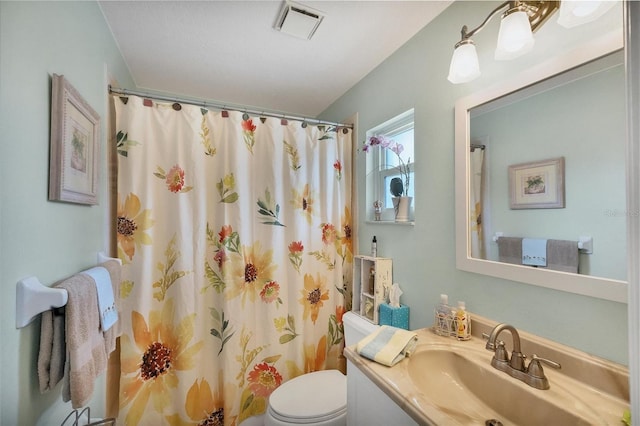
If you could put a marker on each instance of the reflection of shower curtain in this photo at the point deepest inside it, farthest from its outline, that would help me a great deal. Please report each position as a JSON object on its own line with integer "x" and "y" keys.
{"x": 235, "y": 234}
{"x": 475, "y": 204}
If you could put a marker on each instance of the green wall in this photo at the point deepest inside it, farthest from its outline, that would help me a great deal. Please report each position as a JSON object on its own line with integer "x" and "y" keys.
{"x": 424, "y": 255}
{"x": 49, "y": 240}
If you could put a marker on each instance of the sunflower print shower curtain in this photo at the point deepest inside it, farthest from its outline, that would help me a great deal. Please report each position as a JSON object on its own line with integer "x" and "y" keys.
{"x": 235, "y": 237}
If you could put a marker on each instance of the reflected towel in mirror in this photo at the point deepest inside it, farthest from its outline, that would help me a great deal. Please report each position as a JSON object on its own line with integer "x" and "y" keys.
{"x": 510, "y": 250}
{"x": 534, "y": 252}
{"x": 562, "y": 255}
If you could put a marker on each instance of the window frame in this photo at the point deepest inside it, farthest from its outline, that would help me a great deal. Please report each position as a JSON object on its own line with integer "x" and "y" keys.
{"x": 378, "y": 168}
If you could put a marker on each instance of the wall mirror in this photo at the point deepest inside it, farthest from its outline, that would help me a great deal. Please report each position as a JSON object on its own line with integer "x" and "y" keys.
{"x": 545, "y": 114}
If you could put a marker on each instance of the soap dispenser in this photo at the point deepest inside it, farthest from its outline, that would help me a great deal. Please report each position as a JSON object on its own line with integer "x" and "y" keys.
{"x": 462, "y": 322}
{"x": 444, "y": 317}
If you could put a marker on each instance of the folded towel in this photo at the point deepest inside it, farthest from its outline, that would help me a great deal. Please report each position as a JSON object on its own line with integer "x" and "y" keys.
{"x": 106, "y": 303}
{"x": 388, "y": 345}
{"x": 52, "y": 352}
{"x": 86, "y": 355}
{"x": 510, "y": 250}
{"x": 534, "y": 252}
{"x": 114, "y": 267}
{"x": 72, "y": 344}
{"x": 563, "y": 255}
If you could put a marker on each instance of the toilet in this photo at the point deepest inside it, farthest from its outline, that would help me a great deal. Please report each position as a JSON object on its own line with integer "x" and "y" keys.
{"x": 318, "y": 398}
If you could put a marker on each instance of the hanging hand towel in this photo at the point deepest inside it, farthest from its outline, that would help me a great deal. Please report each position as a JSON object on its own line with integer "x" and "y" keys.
{"x": 86, "y": 357}
{"x": 106, "y": 302}
{"x": 114, "y": 267}
{"x": 52, "y": 352}
{"x": 388, "y": 345}
{"x": 563, "y": 255}
{"x": 510, "y": 250}
{"x": 534, "y": 252}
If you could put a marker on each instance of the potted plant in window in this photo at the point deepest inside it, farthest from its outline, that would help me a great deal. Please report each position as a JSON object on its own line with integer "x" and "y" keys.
{"x": 399, "y": 186}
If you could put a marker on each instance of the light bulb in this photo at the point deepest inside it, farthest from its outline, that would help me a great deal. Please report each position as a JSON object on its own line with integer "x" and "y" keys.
{"x": 515, "y": 37}
{"x": 578, "y": 12}
{"x": 464, "y": 63}
{"x": 585, "y": 8}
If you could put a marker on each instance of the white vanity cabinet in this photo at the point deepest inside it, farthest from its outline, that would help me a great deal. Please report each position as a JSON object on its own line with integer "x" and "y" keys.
{"x": 367, "y": 404}
{"x": 371, "y": 276}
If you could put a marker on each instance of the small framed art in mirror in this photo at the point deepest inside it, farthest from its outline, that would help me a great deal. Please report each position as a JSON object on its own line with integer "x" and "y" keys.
{"x": 537, "y": 185}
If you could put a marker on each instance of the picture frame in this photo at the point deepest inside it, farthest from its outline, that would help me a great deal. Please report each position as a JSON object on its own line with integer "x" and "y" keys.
{"x": 537, "y": 185}
{"x": 75, "y": 131}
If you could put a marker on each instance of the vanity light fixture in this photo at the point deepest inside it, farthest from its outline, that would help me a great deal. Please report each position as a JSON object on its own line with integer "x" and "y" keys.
{"x": 520, "y": 19}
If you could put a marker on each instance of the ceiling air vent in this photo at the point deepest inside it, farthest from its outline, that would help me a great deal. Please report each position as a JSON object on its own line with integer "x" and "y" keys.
{"x": 298, "y": 20}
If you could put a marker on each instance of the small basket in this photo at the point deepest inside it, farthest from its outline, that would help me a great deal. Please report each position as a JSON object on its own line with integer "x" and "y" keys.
{"x": 444, "y": 324}
{"x": 447, "y": 325}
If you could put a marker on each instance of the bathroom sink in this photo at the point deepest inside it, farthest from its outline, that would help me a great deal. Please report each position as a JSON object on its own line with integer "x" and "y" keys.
{"x": 470, "y": 391}
{"x": 451, "y": 382}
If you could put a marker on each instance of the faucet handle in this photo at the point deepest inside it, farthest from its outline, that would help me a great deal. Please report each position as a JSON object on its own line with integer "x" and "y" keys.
{"x": 535, "y": 369}
{"x": 501, "y": 352}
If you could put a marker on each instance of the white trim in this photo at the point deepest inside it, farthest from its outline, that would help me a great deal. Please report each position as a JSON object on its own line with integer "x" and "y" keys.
{"x": 377, "y": 168}
{"x": 397, "y": 124}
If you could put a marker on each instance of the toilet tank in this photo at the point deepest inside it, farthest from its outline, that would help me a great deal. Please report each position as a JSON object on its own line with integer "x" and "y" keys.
{"x": 356, "y": 328}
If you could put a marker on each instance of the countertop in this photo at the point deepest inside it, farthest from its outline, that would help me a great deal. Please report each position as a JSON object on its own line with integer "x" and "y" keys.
{"x": 599, "y": 383}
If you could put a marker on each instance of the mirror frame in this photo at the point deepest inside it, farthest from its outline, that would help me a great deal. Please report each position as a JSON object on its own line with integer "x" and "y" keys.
{"x": 598, "y": 287}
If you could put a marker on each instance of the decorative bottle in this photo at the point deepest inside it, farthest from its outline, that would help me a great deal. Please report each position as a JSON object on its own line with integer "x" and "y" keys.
{"x": 374, "y": 247}
{"x": 444, "y": 317}
{"x": 462, "y": 322}
{"x": 372, "y": 280}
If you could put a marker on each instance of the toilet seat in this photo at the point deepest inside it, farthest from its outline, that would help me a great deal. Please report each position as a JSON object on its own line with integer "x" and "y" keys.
{"x": 310, "y": 398}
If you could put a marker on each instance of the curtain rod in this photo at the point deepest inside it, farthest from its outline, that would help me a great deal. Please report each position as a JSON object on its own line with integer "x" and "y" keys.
{"x": 474, "y": 146}
{"x": 118, "y": 91}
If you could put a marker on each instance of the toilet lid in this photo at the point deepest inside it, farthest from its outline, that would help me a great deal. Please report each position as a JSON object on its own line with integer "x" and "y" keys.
{"x": 320, "y": 395}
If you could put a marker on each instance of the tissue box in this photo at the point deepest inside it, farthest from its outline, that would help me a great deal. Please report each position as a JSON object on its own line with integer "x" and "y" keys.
{"x": 396, "y": 317}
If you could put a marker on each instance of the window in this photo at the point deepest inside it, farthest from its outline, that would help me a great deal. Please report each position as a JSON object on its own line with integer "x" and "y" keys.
{"x": 382, "y": 164}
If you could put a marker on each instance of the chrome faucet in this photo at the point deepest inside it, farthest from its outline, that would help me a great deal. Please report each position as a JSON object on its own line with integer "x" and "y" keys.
{"x": 533, "y": 375}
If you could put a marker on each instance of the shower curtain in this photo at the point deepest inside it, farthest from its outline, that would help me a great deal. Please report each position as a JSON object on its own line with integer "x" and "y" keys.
{"x": 235, "y": 233}
{"x": 475, "y": 204}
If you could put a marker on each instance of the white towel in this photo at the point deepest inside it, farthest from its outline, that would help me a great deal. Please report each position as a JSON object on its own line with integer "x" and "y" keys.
{"x": 114, "y": 267}
{"x": 106, "y": 303}
{"x": 388, "y": 345}
{"x": 534, "y": 252}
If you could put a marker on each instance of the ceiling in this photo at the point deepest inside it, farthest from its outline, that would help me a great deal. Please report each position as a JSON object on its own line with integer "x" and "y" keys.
{"x": 229, "y": 52}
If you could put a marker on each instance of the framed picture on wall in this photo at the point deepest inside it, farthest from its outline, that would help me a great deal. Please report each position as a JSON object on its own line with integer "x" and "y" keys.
{"x": 75, "y": 129}
{"x": 537, "y": 185}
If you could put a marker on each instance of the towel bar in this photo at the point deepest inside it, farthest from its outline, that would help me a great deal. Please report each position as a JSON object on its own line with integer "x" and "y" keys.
{"x": 33, "y": 297}
{"x": 585, "y": 243}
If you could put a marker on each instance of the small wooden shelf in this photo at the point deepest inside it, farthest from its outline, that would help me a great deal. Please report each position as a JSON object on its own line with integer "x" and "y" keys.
{"x": 372, "y": 277}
